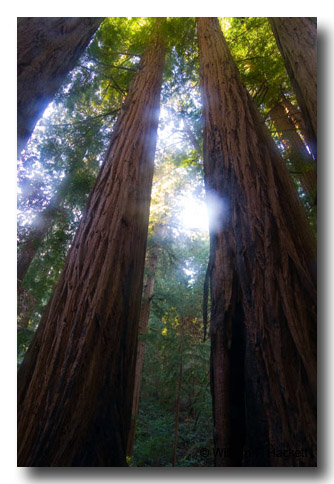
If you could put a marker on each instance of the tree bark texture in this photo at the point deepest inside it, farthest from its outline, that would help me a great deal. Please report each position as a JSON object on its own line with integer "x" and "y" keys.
{"x": 75, "y": 385}
{"x": 47, "y": 50}
{"x": 296, "y": 39}
{"x": 302, "y": 162}
{"x": 263, "y": 288}
{"x": 148, "y": 292}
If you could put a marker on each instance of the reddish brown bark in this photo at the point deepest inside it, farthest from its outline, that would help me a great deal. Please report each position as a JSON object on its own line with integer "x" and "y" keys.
{"x": 75, "y": 385}
{"x": 301, "y": 161}
{"x": 263, "y": 288}
{"x": 296, "y": 38}
{"x": 47, "y": 50}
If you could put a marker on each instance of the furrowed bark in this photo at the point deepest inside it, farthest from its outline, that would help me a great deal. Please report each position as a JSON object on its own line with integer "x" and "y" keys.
{"x": 296, "y": 39}
{"x": 47, "y": 50}
{"x": 263, "y": 285}
{"x": 75, "y": 385}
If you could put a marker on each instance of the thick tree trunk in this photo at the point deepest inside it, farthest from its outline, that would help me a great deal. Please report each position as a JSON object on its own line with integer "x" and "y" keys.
{"x": 263, "y": 297}
{"x": 43, "y": 224}
{"x": 296, "y": 38}
{"x": 75, "y": 385}
{"x": 143, "y": 325}
{"x": 47, "y": 50}
{"x": 302, "y": 162}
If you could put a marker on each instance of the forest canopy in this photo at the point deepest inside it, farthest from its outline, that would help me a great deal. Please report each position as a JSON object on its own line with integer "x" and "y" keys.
{"x": 166, "y": 236}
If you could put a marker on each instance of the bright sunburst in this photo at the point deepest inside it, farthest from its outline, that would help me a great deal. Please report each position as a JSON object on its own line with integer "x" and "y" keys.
{"x": 194, "y": 214}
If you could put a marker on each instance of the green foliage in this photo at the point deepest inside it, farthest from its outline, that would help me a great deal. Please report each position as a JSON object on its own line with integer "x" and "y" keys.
{"x": 24, "y": 337}
{"x": 156, "y": 419}
{"x": 176, "y": 313}
{"x": 70, "y": 142}
{"x": 260, "y": 64}
{"x": 68, "y": 145}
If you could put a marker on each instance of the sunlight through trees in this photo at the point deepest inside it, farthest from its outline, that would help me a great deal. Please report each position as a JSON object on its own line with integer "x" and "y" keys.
{"x": 168, "y": 184}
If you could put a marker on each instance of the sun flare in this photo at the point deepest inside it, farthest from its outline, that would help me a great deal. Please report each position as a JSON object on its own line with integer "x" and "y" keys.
{"x": 194, "y": 214}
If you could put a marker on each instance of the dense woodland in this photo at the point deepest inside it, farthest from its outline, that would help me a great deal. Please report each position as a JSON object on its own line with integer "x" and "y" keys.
{"x": 149, "y": 335}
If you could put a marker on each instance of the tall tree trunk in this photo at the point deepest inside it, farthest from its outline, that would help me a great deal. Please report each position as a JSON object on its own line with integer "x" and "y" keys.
{"x": 47, "y": 50}
{"x": 296, "y": 38}
{"x": 296, "y": 117}
{"x": 301, "y": 161}
{"x": 148, "y": 292}
{"x": 263, "y": 288}
{"x": 44, "y": 222}
{"x": 75, "y": 385}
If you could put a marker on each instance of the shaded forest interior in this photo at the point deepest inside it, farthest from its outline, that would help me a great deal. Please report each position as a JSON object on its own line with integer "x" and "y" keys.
{"x": 167, "y": 196}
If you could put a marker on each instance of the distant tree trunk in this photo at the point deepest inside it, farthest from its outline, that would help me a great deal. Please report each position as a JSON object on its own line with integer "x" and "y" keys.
{"x": 143, "y": 325}
{"x": 296, "y": 38}
{"x": 47, "y": 50}
{"x": 75, "y": 385}
{"x": 44, "y": 222}
{"x": 301, "y": 161}
{"x": 178, "y": 401}
{"x": 191, "y": 136}
{"x": 296, "y": 116}
{"x": 263, "y": 288}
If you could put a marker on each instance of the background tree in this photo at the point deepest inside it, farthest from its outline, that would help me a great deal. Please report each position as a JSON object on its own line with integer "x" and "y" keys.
{"x": 174, "y": 418}
{"x": 172, "y": 181}
{"x": 101, "y": 317}
{"x": 63, "y": 156}
{"x": 148, "y": 293}
{"x": 263, "y": 72}
{"x": 48, "y": 48}
{"x": 263, "y": 302}
{"x": 301, "y": 161}
{"x": 296, "y": 38}
{"x": 75, "y": 132}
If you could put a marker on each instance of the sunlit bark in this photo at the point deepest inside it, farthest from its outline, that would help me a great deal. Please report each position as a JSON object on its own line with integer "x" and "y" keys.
{"x": 75, "y": 385}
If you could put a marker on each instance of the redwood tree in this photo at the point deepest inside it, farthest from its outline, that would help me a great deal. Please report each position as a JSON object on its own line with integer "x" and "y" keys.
{"x": 263, "y": 287}
{"x": 47, "y": 50}
{"x": 296, "y": 38}
{"x": 75, "y": 385}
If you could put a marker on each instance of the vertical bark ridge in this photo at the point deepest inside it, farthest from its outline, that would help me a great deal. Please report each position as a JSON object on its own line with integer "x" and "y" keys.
{"x": 75, "y": 385}
{"x": 263, "y": 258}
